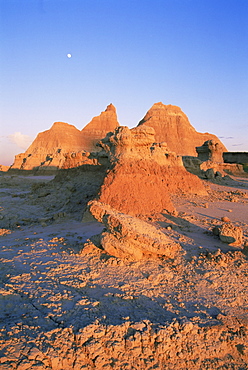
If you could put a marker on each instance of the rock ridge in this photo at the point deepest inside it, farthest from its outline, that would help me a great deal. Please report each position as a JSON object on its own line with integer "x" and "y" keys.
{"x": 63, "y": 145}
{"x": 172, "y": 126}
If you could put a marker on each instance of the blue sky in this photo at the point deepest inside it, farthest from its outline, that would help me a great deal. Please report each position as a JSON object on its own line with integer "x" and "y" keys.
{"x": 132, "y": 53}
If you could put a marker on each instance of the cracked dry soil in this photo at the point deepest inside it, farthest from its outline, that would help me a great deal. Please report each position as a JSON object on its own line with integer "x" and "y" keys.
{"x": 63, "y": 307}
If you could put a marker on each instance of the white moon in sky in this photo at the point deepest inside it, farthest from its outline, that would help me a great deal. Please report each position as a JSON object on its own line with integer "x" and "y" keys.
{"x": 68, "y": 55}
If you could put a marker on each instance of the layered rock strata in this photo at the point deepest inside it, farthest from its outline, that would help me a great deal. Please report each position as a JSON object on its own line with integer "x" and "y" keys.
{"x": 64, "y": 146}
{"x": 143, "y": 174}
{"x": 98, "y": 128}
{"x": 49, "y": 148}
{"x": 172, "y": 126}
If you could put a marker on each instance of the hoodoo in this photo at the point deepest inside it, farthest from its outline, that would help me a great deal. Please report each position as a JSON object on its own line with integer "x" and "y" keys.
{"x": 143, "y": 174}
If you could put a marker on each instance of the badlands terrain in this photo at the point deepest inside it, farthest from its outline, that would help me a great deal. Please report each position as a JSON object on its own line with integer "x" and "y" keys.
{"x": 125, "y": 260}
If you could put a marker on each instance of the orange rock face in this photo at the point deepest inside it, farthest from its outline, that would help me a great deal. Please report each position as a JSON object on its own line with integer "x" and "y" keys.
{"x": 136, "y": 188}
{"x": 4, "y": 168}
{"x": 99, "y": 127}
{"x": 143, "y": 174}
{"x": 172, "y": 126}
{"x": 64, "y": 146}
{"x": 49, "y": 147}
{"x": 60, "y": 137}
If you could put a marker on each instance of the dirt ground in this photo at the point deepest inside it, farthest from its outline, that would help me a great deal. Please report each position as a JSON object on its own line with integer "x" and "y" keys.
{"x": 63, "y": 306}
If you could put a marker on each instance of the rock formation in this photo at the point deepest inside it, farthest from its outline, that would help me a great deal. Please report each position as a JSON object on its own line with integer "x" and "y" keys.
{"x": 172, "y": 126}
{"x": 211, "y": 151}
{"x": 98, "y": 128}
{"x": 210, "y": 163}
{"x": 3, "y": 168}
{"x": 128, "y": 236}
{"x": 64, "y": 146}
{"x": 229, "y": 233}
{"x": 211, "y": 155}
{"x": 143, "y": 174}
{"x": 49, "y": 147}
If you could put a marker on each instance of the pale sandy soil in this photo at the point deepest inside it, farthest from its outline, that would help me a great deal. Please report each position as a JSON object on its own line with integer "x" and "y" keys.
{"x": 62, "y": 307}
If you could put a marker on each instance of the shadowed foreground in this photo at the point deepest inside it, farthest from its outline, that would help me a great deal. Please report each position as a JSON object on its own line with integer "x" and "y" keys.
{"x": 67, "y": 304}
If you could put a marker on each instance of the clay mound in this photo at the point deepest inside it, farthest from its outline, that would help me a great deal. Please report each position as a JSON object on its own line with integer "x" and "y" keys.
{"x": 172, "y": 126}
{"x": 127, "y": 236}
{"x": 144, "y": 187}
{"x": 99, "y": 127}
{"x": 143, "y": 174}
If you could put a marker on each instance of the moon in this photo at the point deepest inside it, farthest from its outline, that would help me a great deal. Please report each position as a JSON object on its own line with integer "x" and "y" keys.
{"x": 68, "y": 55}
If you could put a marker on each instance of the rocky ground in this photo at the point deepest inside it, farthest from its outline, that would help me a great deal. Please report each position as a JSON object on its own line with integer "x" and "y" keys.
{"x": 66, "y": 305}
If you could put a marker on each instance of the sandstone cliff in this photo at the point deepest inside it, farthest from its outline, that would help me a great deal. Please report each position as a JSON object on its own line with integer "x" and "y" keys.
{"x": 172, "y": 126}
